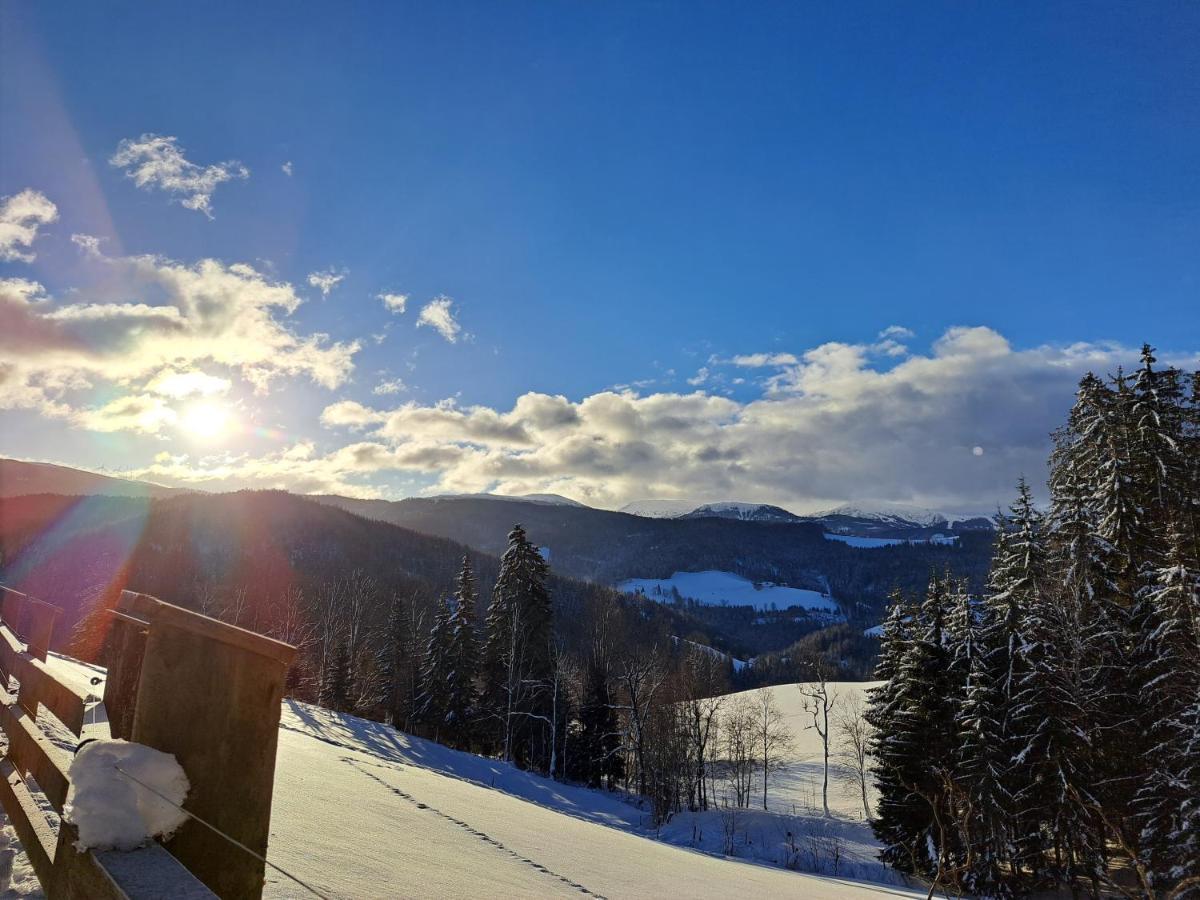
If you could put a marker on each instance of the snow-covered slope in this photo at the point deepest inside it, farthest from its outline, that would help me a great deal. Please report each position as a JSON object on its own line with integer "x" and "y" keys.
{"x": 747, "y": 512}
{"x": 659, "y": 509}
{"x": 895, "y": 516}
{"x": 362, "y": 811}
{"x": 543, "y": 499}
{"x": 717, "y": 588}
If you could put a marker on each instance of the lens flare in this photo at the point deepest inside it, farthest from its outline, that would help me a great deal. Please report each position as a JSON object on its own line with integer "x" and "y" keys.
{"x": 206, "y": 420}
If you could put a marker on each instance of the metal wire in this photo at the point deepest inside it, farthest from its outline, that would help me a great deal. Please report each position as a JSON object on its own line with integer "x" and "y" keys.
{"x": 308, "y": 887}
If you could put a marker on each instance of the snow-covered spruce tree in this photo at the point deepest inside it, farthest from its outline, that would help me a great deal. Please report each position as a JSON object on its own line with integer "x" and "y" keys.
{"x": 435, "y": 680}
{"x": 337, "y": 680}
{"x": 463, "y": 662}
{"x": 1168, "y": 660}
{"x": 518, "y": 669}
{"x": 913, "y": 714}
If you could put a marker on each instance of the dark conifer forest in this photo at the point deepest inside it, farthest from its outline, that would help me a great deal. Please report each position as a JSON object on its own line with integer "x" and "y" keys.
{"x": 1046, "y": 732}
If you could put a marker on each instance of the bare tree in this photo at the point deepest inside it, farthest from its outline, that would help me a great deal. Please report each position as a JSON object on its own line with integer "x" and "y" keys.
{"x": 855, "y": 733}
{"x": 739, "y": 738}
{"x": 818, "y": 702}
{"x": 771, "y": 735}
{"x": 702, "y": 682}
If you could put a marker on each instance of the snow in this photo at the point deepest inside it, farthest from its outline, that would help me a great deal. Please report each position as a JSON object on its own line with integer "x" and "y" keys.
{"x": 873, "y": 631}
{"x": 855, "y": 541}
{"x": 659, "y": 509}
{"x": 897, "y": 513}
{"x": 17, "y": 878}
{"x": 362, "y": 810}
{"x": 738, "y": 664}
{"x": 543, "y": 499}
{"x": 109, "y": 808}
{"x": 717, "y": 588}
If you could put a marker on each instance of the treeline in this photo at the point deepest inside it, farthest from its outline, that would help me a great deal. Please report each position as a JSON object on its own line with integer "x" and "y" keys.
{"x": 1047, "y": 732}
{"x": 628, "y": 707}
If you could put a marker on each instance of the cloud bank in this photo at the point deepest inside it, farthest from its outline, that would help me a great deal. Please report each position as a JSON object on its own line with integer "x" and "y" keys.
{"x": 153, "y": 328}
{"x": 952, "y": 428}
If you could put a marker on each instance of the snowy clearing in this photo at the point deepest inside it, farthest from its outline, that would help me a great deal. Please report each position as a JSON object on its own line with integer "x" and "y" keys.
{"x": 362, "y": 810}
{"x": 725, "y": 588}
{"x": 870, "y": 542}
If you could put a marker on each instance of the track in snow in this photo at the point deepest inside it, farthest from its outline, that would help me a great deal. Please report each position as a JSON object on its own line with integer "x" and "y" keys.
{"x": 464, "y": 825}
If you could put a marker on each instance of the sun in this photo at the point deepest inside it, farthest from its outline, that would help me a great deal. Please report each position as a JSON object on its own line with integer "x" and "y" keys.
{"x": 206, "y": 420}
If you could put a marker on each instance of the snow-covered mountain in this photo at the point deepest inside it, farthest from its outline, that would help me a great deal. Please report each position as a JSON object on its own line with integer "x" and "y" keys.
{"x": 659, "y": 509}
{"x": 747, "y": 512}
{"x": 544, "y": 499}
{"x": 865, "y": 521}
{"x": 894, "y": 519}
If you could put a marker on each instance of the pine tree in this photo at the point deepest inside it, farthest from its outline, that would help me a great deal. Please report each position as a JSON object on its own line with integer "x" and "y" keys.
{"x": 914, "y": 718}
{"x": 1168, "y": 661}
{"x": 598, "y": 752}
{"x": 337, "y": 685}
{"x": 518, "y": 666}
{"x": 463, "y": 661}
{"x": 434, "y": 704}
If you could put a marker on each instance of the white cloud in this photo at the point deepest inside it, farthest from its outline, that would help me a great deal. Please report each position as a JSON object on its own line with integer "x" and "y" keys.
{"x": 287, "y": 168}
{"x": 700, "y": 377}
{"x": 155, "y": 161}
{"x": 155, "y": 328}
{"x": 147, "y": 415}
{"x": 325, "y": 281}
{"x": 761, "y": 360}
{"x": 392, "y": 386}
{"x": 896, "y": 332}
{"x": 21, "y": 215}
{"x": 394, "y": 302}
{"x": 831, "y": 427}
{"x": 170, "y": 383}
{"x": 438, "y": 314}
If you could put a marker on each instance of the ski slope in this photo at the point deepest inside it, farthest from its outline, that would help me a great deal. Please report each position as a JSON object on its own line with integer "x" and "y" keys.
{"x": 362, "y": 811}
{"x": 717, "y": 588}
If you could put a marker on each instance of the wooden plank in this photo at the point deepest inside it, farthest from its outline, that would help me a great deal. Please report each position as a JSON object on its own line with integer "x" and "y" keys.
{"x": 38, "y": 684}
{"x": 126, "y": 648}
{"x": 35, "y": 834}
{"x": 32, "y": 753}
{"x": 66, "y": 702}
{"x": 215, "y": 706}
{"x": 14, "y": 661}
{"x": 151, "y": 872}
{"x": 223, "y": 632}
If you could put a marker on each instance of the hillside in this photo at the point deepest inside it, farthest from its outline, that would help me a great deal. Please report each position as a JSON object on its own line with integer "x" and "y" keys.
{"x": 362, "y": 810}
{"x": 610, "y": 547}
{"x": 20, "y": 478}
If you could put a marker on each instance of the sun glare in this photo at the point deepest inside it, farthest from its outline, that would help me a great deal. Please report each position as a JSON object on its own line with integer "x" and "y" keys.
{"x": 206, "y": 420}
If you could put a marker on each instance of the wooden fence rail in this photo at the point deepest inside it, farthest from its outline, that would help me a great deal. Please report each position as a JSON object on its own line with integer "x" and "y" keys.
{"x": 204, "y": 691}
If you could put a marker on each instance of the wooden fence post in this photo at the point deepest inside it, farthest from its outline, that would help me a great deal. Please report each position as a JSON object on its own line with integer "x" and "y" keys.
{"x": 210, "y": 694}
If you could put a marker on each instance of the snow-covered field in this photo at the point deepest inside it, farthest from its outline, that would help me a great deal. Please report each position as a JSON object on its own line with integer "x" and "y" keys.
{"x": 855, "y": 541}
{"x": 364, "y": 811}
{"x": 725, "y": 588}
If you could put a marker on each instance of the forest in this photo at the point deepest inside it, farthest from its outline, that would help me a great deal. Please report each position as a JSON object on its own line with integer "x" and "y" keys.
{"x": 1046, "y": 732}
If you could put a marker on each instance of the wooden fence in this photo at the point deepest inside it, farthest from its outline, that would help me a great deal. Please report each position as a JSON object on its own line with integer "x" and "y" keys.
{"x": 177, "y": 681}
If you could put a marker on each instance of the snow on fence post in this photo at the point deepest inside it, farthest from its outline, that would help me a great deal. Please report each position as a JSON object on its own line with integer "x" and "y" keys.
{"x": 210, "y": 694}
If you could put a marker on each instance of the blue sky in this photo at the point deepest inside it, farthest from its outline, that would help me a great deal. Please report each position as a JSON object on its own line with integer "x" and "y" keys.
{"x": 612, "y": 195}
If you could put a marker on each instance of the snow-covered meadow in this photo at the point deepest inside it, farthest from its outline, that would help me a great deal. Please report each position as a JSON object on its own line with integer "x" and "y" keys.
{"x": 362, "y": 810}
{"x": 725, "y": 588}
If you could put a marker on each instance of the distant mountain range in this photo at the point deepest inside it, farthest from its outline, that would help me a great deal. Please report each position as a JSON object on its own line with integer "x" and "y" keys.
{"x": 884, "y": 521}
{"x": 248, "y": 535}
